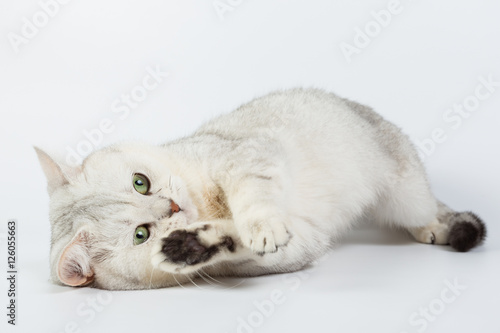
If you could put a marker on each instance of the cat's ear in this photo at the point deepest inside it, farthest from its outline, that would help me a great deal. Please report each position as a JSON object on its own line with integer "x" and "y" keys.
{"x": 56, "y": 177}
{"x": 73, "y": 268}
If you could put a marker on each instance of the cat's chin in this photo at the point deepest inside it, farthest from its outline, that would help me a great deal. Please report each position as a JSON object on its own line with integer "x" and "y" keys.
{"x": 172, "y": 268}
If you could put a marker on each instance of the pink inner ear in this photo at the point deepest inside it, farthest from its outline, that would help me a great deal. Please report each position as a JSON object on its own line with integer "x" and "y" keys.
{"x": 74, "y": 265}
{"x": 74, "y": 279}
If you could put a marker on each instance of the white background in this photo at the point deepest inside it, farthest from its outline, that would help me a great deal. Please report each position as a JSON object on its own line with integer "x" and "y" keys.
{"x": 65, "y": 78}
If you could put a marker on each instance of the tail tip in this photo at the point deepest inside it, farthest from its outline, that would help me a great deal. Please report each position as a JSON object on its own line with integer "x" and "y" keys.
{"x": 467, "y": 232}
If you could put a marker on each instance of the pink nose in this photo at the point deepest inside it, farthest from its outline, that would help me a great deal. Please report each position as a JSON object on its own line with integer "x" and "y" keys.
{"x": 175, "y": 207}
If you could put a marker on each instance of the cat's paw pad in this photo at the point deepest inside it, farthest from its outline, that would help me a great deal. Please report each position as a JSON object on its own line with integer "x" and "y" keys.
{"x": 182, "y": 246}
{"x": 186, "y": 249}
{"x": 264, "y": 237}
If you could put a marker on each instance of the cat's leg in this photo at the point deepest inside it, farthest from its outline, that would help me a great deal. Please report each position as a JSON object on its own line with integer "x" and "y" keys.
{"x": 256, "y": 191}
{"x": 409, "y": 203}
{"x": 461, "y": 230}
{"x": 259, "y": 215}
{"x": 200, "y": 244}
{"x": 215, "y": 248}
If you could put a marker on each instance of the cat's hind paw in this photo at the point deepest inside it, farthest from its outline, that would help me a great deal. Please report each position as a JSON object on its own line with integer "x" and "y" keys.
{"x": 433, "y": 233}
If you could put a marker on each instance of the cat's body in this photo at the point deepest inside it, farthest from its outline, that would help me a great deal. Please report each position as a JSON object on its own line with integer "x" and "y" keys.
{"x": 265, "y": 189}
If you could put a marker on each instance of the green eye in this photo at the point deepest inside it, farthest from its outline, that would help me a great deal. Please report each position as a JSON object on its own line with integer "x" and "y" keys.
{"x": 141, "y": 183}
{"x": 141, "y": 235}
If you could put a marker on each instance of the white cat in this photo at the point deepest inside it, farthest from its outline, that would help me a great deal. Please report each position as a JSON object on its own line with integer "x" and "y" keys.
{"x": 267, "y": 188}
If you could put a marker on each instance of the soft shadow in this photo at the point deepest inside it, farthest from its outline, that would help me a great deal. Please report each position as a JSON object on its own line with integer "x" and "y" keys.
{"x": 370, "y": 235}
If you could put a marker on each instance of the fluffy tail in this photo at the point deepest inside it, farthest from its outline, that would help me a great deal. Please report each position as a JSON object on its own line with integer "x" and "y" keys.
{"x": 466, "y": 229}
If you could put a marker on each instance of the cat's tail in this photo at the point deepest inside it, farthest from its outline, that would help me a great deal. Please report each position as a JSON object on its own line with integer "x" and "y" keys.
{"x": 465, "y": 229}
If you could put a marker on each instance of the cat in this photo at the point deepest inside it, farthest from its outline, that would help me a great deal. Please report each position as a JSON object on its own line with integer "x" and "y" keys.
{"x": 265, "y": 189}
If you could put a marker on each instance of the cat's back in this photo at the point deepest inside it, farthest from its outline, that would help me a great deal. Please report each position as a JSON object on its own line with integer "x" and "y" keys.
{"x": 313, "y": 119}
{"x": 307, "y": 113}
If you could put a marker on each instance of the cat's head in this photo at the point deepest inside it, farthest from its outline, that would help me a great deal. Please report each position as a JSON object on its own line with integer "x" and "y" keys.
{"x": 107, "y": 214}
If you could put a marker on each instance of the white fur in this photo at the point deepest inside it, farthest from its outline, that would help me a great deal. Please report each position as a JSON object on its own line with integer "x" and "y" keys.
{"x": 291, "y": 172}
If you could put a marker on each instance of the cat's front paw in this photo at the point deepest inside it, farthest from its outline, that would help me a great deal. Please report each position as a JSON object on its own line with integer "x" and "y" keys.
{"x": 263, "y": 236}
{"x": 186, "y": 250}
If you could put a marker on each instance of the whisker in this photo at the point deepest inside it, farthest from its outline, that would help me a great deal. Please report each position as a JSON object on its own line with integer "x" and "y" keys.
{"x": 223, "y": 283}
{"x": 211, "y": 278}
{"x": 151, "y": 277}
{"x": 193, "y": 282}
{"x": 238, "y": 284}
{"x": 204, "y": 279}
{"x": 173, "y": 275}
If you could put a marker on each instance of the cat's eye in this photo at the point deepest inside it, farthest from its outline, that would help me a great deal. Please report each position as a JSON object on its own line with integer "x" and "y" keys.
{"x": 141, "y": 183}
{"x": 141, "y": 235}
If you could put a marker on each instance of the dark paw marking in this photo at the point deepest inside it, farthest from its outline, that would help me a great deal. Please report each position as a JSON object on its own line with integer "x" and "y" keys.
{"x": 182, "y": 247}
{"x": 229, "y": 243}
{"x": 205, "y": 227}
